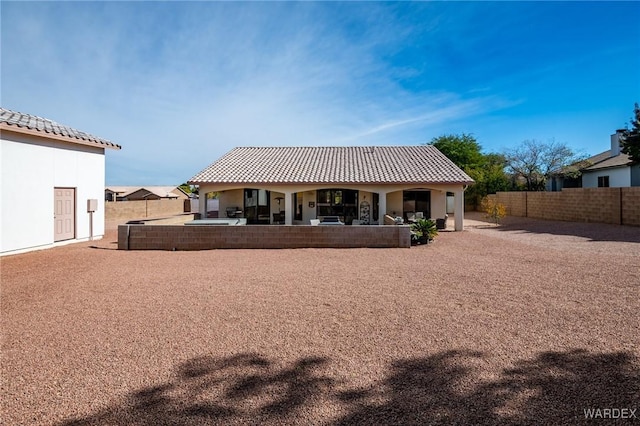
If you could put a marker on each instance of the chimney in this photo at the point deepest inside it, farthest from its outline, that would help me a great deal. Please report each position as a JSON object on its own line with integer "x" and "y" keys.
{"x": 615, "y": 142}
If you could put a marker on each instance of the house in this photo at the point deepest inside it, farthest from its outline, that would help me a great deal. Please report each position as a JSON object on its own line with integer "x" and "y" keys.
{"x": 133, "y": 193}
{"x": 62, "y": 170}
{"x": 611, "y": 168}
{"x": 293, "y": 185}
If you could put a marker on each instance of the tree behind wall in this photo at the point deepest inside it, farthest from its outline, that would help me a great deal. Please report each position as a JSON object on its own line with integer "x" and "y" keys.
{"x": 487, "y": 170}
{"x": 534, "y": 161}
{"x": 630, "y": 140}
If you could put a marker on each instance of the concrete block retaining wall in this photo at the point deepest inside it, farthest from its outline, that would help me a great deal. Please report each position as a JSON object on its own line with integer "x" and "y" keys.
{"x": 204, "y": 237}
{"x": 620, "y": 206}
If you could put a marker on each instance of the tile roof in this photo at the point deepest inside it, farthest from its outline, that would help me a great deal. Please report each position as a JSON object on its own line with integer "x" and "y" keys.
{"x": 620, "y": 160}
{"x": 361, "y": 164}
{"x": 596, "y": 162}
{"x": 10, "y": 119}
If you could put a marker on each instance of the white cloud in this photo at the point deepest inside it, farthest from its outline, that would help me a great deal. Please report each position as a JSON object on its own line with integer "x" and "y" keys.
{"x": 180, "y": 84}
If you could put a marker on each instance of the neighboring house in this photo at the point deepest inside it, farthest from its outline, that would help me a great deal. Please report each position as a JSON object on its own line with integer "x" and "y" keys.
{"x": 60, "y": 169}
{"x": 611, "y": 168}
{"x": 293, "y": 185}
{"x": 132, "y": 193}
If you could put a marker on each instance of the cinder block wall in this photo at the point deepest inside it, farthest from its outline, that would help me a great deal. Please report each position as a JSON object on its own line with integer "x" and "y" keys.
{"x": 515, "y": 202}
{"x": 631, "y": 206}
{"x": 142, "y": 209}
{"x": 203, "y": 237}
{"x": 619, "y": 206}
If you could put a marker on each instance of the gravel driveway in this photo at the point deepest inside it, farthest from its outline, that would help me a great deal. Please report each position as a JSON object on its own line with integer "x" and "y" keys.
{"x": 531, "y": 322}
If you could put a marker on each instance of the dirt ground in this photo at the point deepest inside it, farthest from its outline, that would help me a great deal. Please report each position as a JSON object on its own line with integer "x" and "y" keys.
{"x": 531, "y": 322}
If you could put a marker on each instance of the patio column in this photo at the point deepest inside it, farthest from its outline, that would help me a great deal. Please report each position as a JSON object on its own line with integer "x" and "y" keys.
{"x": 382, "y": 207}
{"x": 202, "y": 205}
{"x": 458, "y": 209}
{"x": 288, "y": 208}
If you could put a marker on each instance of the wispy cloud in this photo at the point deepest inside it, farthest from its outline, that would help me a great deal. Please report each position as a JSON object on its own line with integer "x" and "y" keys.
{"x": 178, "y": 84}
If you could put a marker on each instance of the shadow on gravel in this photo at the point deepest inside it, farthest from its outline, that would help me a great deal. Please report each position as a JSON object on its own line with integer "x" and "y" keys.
{"x": 103, "y": 248}
{"x": 590, "y": 231}
{"x": 552, "y": 388}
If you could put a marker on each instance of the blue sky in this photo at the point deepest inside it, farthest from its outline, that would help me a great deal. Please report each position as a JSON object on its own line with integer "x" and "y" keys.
{"x": 178, "y": 84}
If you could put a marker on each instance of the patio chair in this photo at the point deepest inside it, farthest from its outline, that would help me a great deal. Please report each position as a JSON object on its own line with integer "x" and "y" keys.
{"x": 389, "y": 220}
{"x": 233, "y": 212}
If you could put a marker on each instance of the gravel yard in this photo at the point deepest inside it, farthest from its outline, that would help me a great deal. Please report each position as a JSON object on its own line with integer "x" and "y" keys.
{"x": 531, "y": 322}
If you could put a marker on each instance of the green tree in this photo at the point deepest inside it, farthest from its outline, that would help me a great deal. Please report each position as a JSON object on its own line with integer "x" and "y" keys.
{"x": 462, "y": 149}
{"x": 630, "y": 140}
{"x": 490, "y": 178}
{"x": 186, "y": 188}
{"x": 487, "y": 170}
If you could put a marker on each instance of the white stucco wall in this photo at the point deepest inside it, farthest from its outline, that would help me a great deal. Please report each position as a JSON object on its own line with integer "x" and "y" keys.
{"x": 394, "y": 204}
{"x": 233, "y": 198}
{"x": 31, "y": 168}
{"x": 618, "y": 177}
{"x": 438, "y": 204}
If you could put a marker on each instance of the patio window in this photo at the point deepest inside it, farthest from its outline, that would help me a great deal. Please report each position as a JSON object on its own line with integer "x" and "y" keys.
{"x": 338, "y": 202}
{"x": 375, "y": 208}
{"x": 256, "y": 206}
{"x": 416, "y": 201}
{"x": 297, "y": 202}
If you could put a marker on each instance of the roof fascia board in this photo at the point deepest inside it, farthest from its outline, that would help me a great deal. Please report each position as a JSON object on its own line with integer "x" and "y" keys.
{"x": 4, "y": 127}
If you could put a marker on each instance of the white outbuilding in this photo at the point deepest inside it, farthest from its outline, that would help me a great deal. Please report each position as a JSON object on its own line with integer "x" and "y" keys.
{"x": 52, "y": 180}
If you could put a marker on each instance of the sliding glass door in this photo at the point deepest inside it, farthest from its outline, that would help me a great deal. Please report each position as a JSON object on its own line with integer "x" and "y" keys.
{"x": 338, "y": 202}
{"x": 257, "y": 206}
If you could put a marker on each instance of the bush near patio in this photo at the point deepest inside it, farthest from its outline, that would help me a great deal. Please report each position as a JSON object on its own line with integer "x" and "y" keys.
{"x": 423, "y": 231}
{"x": 493, "y": 210}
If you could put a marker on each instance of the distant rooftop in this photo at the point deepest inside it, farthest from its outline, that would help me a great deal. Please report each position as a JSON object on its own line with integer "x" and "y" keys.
{"x": 20, "y": 121}
{"x": 619, "y": 160}
{"x": 160, "y": 191}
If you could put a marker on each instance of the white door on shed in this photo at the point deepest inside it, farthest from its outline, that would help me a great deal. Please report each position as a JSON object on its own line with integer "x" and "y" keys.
{"x": 64, "y": 214}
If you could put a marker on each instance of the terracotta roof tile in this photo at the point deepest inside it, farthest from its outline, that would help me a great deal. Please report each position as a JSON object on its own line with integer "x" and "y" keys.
{"x": 32, "y": 122}
{"x": 381, "y": 164}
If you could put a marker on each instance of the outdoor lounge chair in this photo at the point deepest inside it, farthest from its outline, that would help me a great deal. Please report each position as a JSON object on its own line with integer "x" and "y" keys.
{"x": 234, "y": 212}
{"x": 331, "y": 220}
{"x": 389, "y": 220}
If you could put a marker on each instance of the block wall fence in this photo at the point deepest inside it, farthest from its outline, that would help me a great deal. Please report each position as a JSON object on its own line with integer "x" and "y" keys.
{"x": 142, "y": 209}
{"x": 619, "y": 206}
{"x": 205, "y": 237}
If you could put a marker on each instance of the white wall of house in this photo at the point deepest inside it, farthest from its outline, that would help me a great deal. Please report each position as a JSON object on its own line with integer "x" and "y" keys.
{"x": 394, "y": 203}
{"x": 31, "y": 168}
{"x": 618, "y": 177}
{"x": 233, "y": 198}
{"x": 438, "y": 204}
{"x": 308, "y": 213}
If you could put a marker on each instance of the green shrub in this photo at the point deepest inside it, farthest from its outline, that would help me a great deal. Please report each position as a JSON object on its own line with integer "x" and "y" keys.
{"x": 423, "y": 231}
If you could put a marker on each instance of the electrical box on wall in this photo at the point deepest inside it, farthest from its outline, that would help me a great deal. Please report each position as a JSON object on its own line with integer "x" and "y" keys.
{"x": 92, "y": 205}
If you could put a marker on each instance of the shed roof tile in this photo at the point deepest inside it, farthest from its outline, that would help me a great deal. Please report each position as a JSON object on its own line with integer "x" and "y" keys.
{"x": 26, "y": 121}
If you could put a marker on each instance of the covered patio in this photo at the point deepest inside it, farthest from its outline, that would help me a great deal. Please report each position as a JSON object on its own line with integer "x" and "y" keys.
{"x": 360, "y": 185}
